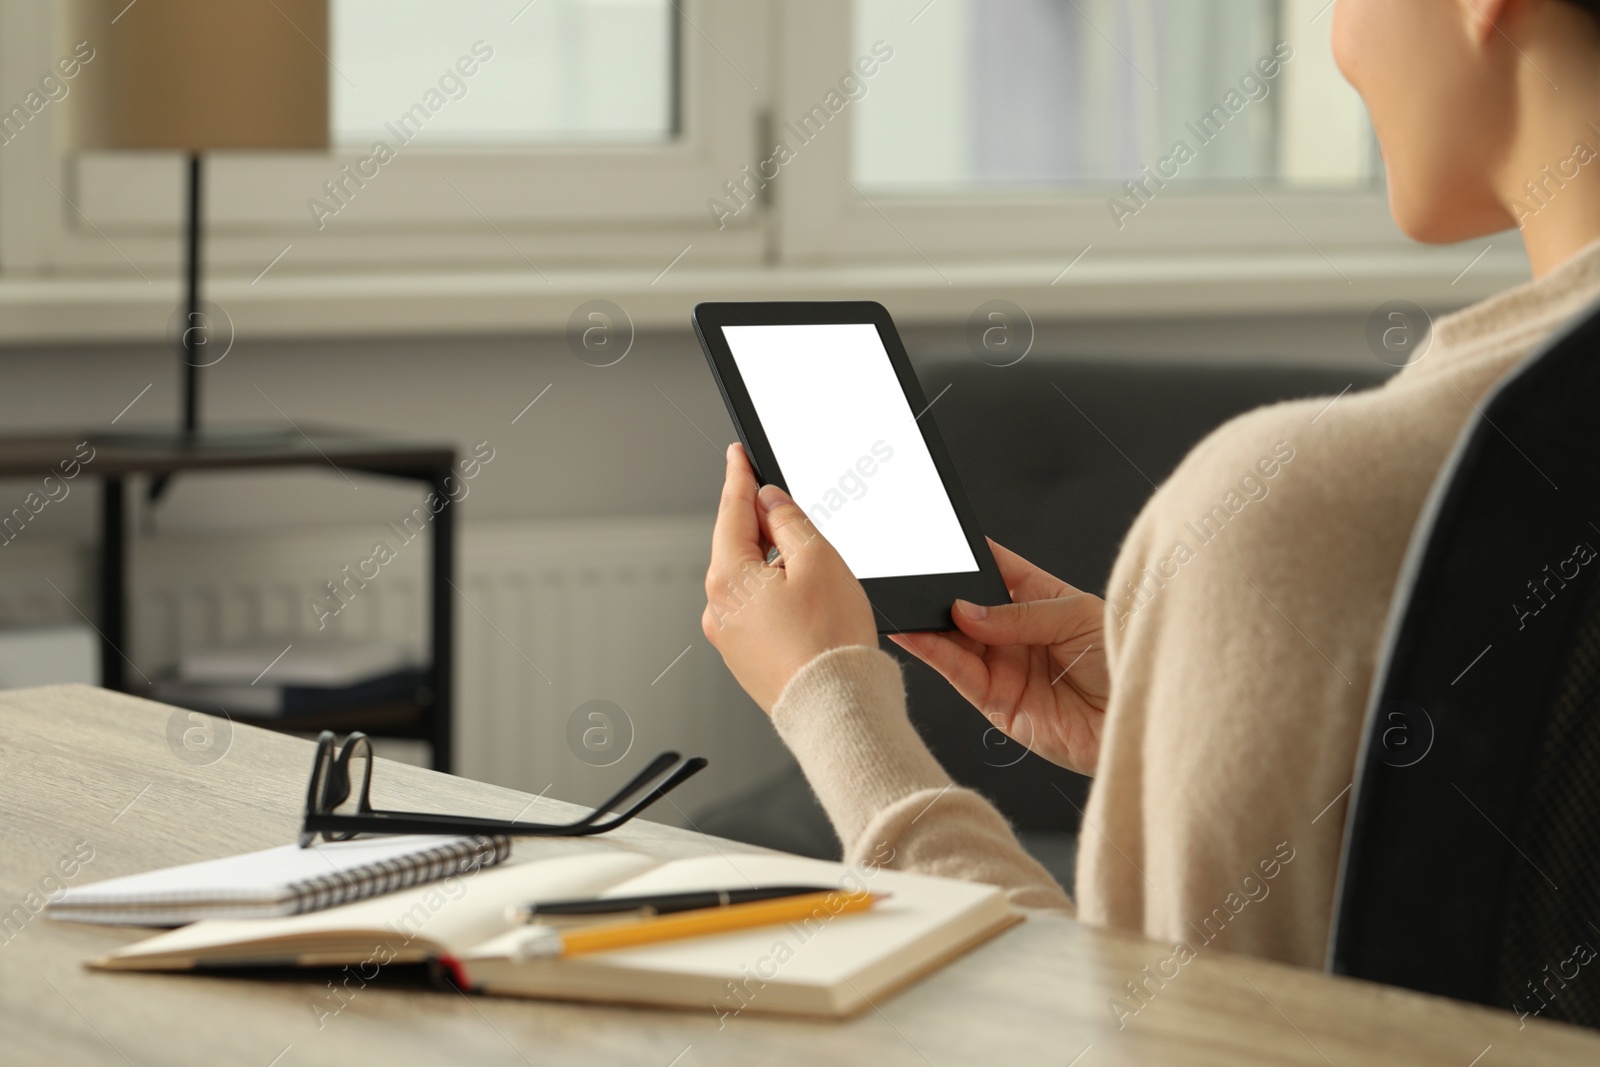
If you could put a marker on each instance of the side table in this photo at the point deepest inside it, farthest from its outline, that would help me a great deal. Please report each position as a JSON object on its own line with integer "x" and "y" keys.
{"x": 120, "y": 456}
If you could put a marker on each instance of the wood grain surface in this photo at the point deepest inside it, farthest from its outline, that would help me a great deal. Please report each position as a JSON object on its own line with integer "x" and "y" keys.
{"x": 82, "y": 768}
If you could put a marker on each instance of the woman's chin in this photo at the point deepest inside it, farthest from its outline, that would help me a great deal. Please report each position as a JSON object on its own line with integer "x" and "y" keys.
{"x": 1434, "y": 223}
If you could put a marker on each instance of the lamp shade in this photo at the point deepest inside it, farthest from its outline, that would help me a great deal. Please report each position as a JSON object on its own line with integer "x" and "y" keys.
{"x": 205, "y": 75}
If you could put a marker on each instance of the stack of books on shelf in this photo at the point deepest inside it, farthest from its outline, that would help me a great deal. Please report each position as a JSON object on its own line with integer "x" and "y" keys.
{"x": 283, "y": 679}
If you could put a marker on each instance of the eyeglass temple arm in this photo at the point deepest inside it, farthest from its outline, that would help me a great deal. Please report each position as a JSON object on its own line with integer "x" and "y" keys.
{"x": 688, "y": 769}
{"x": 590, "y": 823}
{"x": 653, "y": 770}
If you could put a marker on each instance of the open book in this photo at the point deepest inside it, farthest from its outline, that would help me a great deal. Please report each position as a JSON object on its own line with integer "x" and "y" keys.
{"x": 828, "y": 966}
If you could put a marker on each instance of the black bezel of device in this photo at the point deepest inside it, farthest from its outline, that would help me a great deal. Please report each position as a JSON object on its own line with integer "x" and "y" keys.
{"x": 907, "y": 604}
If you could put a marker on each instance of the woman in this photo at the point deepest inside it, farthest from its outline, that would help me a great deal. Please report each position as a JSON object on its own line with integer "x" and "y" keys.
{"x": 1218, "y": 696}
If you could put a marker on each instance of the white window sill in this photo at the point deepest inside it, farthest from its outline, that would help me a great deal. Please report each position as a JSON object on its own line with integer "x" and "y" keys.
{"x": 63, "y": 310}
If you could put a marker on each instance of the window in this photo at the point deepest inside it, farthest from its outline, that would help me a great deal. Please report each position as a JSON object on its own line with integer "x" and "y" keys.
{"x": 1017, "y": 124}
{"x": 766, "y": 145}
{"x": 590, "y": 134}
{"x": 567, "y": 70}
{"x": 1001, "y": 94}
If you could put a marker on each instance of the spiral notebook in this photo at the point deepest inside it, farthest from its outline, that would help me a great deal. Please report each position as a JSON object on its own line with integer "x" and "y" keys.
{"x": 277, "y": 881}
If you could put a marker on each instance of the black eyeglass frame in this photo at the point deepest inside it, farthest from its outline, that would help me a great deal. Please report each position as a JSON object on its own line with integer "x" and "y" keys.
{"x": 330, "y": 786}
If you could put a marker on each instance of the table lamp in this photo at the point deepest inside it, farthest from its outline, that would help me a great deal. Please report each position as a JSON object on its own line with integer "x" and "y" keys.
{"x": 197, "y": 76}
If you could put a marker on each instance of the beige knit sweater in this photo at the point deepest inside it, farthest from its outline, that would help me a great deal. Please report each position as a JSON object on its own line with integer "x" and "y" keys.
{"x": 1244, "y": 621}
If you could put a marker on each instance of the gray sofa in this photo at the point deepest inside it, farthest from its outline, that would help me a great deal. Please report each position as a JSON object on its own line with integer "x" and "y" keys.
{"x": 1058, "y": 458}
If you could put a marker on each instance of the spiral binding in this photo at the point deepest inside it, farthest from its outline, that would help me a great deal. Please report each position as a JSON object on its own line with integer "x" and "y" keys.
{"x": 386, "y": 876}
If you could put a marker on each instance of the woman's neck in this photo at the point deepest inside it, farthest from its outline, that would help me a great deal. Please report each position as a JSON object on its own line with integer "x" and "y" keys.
{"x": 1550, "y": 181}
{"x": 1558, "y": 208}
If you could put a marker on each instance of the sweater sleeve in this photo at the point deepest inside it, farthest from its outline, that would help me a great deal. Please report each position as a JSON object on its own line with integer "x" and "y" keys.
{"x": 843, "y": 715}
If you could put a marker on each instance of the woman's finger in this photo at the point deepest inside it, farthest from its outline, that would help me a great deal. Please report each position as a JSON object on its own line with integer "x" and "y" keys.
{"x": 1031, "y": 622}
{"x": 963, "y": 669}
{"x": 1023, "y": 579}
{"x": 975, "y": 647}
{"x": 737, "y": 537}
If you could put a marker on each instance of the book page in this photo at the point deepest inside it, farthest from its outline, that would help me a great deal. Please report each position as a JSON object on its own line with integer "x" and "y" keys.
{"x": 739, "y": 871}
{"x": 451, "y": 915}
{"x": 825, "y": 950}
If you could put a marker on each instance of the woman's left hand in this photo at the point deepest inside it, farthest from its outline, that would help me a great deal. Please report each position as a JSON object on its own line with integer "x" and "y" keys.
{"x": 769, "y": 621}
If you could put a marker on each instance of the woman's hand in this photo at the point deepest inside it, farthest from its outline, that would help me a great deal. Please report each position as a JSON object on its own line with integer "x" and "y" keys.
{"x": 1036, "y": 668}
{"x": 769, "y": 621}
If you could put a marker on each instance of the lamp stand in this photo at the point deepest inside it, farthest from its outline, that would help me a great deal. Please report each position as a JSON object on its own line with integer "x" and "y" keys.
{"x": 193, "y": 335}
{"x": 193, "y": 330}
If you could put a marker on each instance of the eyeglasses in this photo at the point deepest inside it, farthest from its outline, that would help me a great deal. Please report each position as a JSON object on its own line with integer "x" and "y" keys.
{"x": 331, "y": 780}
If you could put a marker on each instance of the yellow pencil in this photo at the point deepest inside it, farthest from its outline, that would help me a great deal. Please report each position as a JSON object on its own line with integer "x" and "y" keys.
{"x": 700, "y": 923}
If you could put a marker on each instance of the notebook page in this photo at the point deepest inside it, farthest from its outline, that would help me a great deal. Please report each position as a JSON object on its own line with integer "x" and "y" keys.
{"x": 267, "y": 876}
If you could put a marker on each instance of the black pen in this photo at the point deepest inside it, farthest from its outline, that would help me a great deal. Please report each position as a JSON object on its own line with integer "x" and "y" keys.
{"x": 657, "y": 904}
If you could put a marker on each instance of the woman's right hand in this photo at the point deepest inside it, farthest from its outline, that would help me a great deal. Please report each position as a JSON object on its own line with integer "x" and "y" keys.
{"x": 1036, "y": 668}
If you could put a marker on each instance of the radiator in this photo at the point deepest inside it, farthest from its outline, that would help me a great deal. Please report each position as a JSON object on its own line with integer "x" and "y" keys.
{"x": 557, "y": 622}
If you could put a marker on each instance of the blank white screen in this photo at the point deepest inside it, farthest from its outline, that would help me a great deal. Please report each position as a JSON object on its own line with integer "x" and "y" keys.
{"x": 850, "y": 447}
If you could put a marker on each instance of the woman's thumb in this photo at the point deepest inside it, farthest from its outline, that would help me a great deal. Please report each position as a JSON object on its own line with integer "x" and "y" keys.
{"x": 785, "y": 525}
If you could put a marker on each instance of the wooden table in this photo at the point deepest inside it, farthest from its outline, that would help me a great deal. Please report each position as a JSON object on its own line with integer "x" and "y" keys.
{"x": 84, "y": 765}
